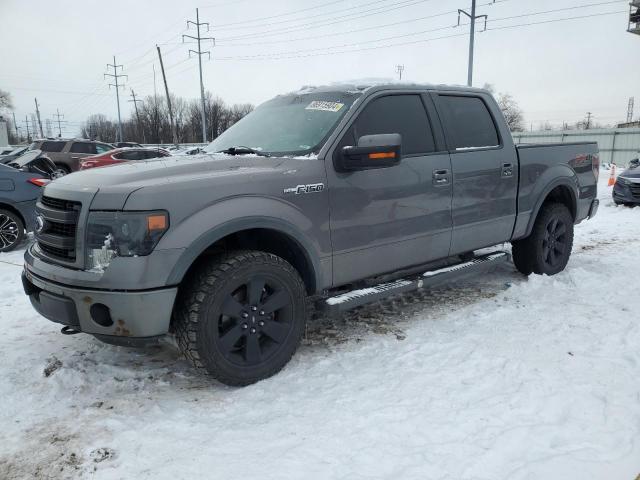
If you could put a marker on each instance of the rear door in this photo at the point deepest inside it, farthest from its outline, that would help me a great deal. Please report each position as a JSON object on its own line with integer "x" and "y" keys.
{"x": 389, "y": 218}
{"x": 53, "y": 149}
{"x": 485, "y": 171}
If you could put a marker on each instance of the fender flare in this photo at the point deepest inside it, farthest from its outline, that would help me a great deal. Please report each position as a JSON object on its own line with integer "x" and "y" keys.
{"x": 568, "y": 182}
{"x": 207, "y": 239}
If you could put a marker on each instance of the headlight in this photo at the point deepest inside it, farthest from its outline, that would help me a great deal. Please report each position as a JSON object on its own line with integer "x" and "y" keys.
{"x": 123, "y": 234}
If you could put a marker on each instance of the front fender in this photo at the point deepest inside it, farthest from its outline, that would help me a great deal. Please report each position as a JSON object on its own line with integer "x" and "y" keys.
{"x": 535, "y": 186}
{"x": 199, "y": 231}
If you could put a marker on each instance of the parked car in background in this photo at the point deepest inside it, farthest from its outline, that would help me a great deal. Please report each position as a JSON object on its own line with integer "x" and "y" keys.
{"x": 120, "y": 155}
{"x": 626, "y": 190}
{"x": 13, "y": 153}
{"x": 189, "y": 151}
{"x": 20, "y": 186}
{"x": 66, "y": 153}
{"x": 127, "y": 144}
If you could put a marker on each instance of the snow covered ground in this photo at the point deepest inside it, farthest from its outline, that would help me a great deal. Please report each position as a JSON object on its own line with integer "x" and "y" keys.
{"x": 501, "y": 377}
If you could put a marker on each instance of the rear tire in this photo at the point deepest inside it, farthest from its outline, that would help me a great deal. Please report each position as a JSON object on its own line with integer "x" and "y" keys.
{"x": 548, "y": 248}
{"x": 241, "y": 317}
{"x": 11, "y": 230}
{"x": 61, "y": 170}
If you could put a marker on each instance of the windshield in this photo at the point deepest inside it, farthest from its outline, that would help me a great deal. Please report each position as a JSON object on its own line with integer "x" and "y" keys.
{"x": 295, "y": 124}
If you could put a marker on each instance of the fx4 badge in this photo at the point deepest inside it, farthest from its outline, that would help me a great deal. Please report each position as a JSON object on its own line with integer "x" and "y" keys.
{"x": 310, "y": 188}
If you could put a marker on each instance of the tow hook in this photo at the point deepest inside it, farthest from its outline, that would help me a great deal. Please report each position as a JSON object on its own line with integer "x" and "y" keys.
{"x": 69, "y": 331}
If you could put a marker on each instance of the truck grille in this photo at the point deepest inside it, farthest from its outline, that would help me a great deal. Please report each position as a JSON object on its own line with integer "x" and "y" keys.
{"x": 57, "y": 239}
{"x": 635, "y": 190}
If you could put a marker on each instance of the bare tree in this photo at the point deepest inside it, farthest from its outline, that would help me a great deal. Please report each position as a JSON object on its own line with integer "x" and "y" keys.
{"x": 510, "y": 109}
{"x": 5, "y": 100}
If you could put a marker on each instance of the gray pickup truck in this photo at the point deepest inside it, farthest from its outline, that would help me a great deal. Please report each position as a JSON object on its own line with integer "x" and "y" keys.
{"x": 339, "y": 195}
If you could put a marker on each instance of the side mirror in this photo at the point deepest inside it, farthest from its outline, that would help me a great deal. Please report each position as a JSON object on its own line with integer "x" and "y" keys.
{"x": 372, "y": 151}
{"x": 635, "y": 163}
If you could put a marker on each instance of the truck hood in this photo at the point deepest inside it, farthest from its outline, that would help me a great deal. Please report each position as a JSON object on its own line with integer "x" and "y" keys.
{"x": 114, "y": 184}
{"x": 135, "y": 175}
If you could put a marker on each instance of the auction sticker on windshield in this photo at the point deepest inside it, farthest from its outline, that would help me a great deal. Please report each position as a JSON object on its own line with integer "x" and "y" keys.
{"x": 325, "y": 106}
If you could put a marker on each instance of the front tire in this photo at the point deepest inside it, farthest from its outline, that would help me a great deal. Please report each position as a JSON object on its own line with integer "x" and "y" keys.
{"x": 241, "y": 317}
{"x": 548, "y": 248}
{"x": 11, "y": 231}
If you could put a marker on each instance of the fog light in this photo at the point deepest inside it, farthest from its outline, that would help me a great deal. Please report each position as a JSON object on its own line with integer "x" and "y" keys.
{"x": 101, "y": 315}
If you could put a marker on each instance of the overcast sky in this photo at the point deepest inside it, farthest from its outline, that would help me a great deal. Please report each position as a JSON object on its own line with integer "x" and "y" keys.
{"x": 557, "y": 71}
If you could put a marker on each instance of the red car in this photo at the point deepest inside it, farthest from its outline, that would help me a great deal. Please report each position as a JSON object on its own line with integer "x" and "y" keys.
{"x": 120, "y": 155}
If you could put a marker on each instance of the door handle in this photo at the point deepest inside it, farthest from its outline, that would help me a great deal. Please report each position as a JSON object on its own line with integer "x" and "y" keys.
{"x": 441, "y": 177}
{"x": 507, "y": 170}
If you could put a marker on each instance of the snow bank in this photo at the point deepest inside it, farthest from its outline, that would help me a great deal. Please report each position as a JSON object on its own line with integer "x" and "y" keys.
{"x": 494, "y": 378}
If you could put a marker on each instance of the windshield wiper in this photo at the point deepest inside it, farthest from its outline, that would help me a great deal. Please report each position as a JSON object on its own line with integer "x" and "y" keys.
{"x": 242, "y": 150}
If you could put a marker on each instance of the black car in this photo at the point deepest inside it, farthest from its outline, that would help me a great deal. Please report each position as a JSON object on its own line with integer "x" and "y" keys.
{"x": 626, "y": 190}
{"x": 20, "y": 186}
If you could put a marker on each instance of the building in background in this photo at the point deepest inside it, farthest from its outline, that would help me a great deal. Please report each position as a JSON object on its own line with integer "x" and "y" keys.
{"x": 4, "y": 132}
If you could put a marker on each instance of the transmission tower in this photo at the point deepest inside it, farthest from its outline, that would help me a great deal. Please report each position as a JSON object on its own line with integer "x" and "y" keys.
{"x": 116, "y": 76}
{"x": 399, "y": 70}
{"x": 199, "y": 52}
{"x": 630, "y": 110}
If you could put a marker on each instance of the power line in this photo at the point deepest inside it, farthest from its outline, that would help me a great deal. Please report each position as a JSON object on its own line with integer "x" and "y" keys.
{"x": 300, "y": 53}
{"x": 260, "y": 19}
{"x": 308, "y": 17}
{"x": 472, "y": 35}
{"x": 326, "y": 22}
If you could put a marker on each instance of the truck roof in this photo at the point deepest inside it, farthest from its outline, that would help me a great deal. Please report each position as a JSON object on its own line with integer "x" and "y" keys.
{"x": 372, "y": 86}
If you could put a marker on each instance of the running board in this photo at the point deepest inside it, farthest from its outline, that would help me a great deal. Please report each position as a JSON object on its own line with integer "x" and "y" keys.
{"x": 356, "y": 298}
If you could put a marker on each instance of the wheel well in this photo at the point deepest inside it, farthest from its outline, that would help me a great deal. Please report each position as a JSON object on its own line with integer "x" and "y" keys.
{"x": 265, "y": 240}
{"x": 562, "y": 194}
{"x": 5, "y": 206}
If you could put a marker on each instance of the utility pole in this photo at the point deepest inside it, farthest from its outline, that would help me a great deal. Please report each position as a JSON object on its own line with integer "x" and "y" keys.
{"x": 15, "y": 125}
{"x": 472, "y": 36}
{"x": 26, "y": 122}
{"x": 38, "y": 115}
{"x": 115, "y": 76}
{"x": 630, "y": 110}
{"x": 174, "y": 134}
{"x": 58, "y": 115}
{"x": 199, "y": 52}
{"x": 399, "y": 70}
{"x": 587, "y": 124}
{"x": 135, "y": 104}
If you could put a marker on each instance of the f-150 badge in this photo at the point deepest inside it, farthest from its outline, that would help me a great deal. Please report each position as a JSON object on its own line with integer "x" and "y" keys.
{"x": 310, "y": 188}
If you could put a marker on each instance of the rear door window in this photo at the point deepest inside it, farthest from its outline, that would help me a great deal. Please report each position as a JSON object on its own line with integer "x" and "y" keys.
{"x": 403, "y": 114}
{"x": 467, "y": 122}
{"x": 52, "y": 147}
{"x": 82, "y": 147}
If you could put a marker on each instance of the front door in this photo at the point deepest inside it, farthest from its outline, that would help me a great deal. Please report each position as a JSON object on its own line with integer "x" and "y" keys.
{"x": 388, "y": 218}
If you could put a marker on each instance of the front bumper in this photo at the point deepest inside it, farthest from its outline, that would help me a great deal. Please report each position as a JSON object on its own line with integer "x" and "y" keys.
{"x": 623, "y": 194}
{"x": 119, "y": 317}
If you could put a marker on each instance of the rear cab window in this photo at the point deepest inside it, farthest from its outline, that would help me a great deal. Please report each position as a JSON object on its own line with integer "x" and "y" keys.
{"x": 467, "y": 122}
{"x": 52, "y": 146}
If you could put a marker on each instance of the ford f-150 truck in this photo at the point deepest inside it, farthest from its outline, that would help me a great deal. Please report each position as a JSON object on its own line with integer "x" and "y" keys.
{"x": 336, "y": 195}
